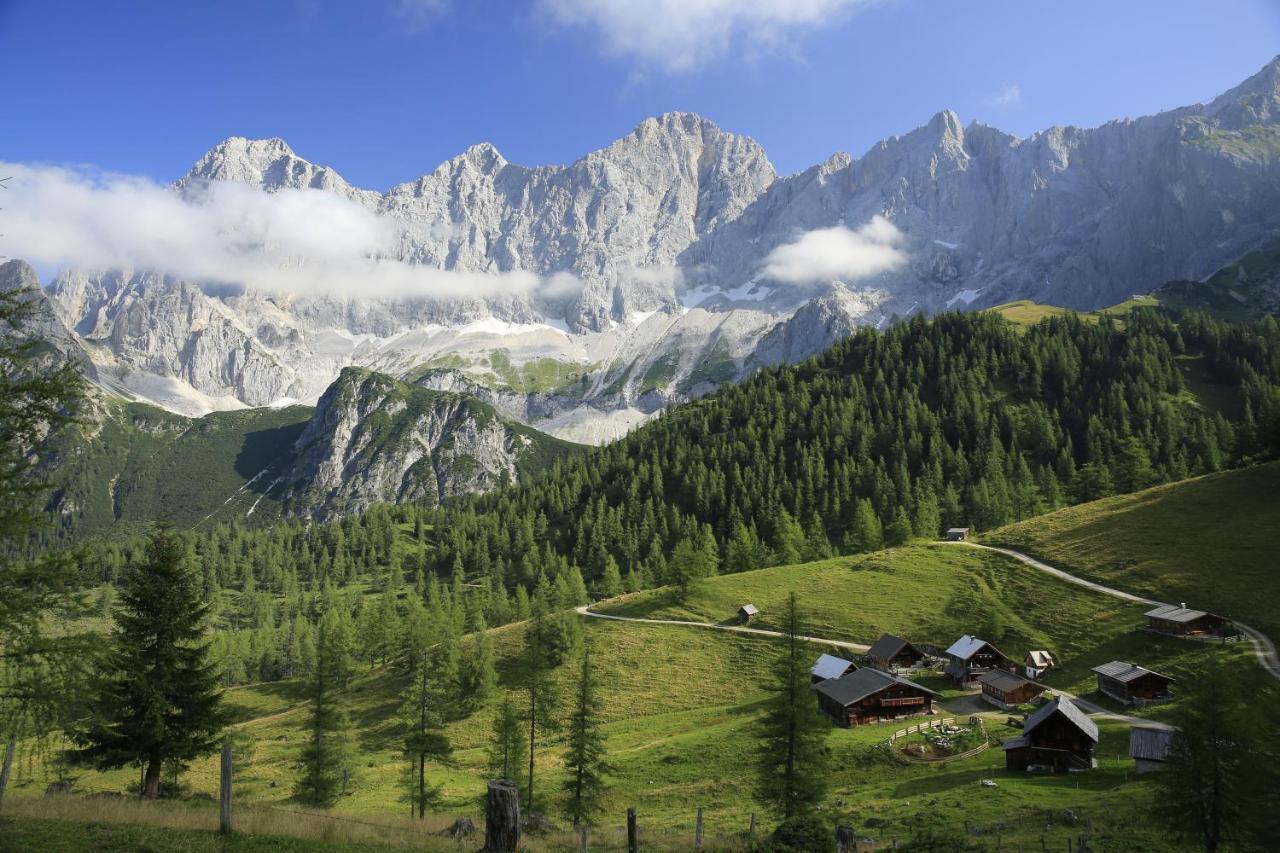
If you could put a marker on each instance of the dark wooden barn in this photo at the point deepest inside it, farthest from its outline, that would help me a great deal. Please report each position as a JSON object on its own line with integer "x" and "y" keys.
{"x": 1058, "y": 738}
{"x": 892, "y": 653}
{"x": 1006, "y": 690}
{"x": 970, "y": 657}
{"x": 869, "y": 695}
{"x": 1182, "y": 622}
{"x": 1132, "y": 684}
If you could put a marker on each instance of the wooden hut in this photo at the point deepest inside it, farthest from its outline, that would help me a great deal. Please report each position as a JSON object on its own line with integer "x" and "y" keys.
{"x": 830, "y": 666}
{"x": 1058, "y": 738}
{"x": 1037, "y": 663}
{"x": 1131, "y": 684}
{"x": 892, "y": 653}
{"x": 869, "y": 695}
{"x": 746, "y": 612}
{"x": 1183, "y": 622}
{"x": 970, "y": 657}
{"x": 956, "y": 534}
{"x": 1006, "y": 690}
{"x": 1149, "y": 747}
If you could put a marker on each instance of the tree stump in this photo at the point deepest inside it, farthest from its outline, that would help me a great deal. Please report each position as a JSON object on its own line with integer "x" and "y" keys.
{"x": 502, "y": 818}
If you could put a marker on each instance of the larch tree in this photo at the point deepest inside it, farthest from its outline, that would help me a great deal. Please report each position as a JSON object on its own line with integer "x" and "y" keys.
{"x": 327, "y": 760}
{"x": 793, "y": 759}
{"x": 157, "y": 699}
{"x": 585, "y": 760}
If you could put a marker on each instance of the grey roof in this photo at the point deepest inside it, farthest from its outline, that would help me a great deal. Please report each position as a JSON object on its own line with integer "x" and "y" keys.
{"x": 1004, "y": 681}
{"x": 965, "y": 647}
{"x": 830, "y": 666}
{"x": 1069, "y": 710}
{"x": 860, "y": 684}
{"x": 749, "y": 609}
{"x": 1169, "y": 613}
{"x": 887, "y": 646}
{"x": 1040, "y": 658}
{"x": 1149, "y": 743}
{"x": 1124, "y": 672}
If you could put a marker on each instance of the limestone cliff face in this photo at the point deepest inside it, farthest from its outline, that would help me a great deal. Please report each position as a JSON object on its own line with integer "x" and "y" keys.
{"x": 373, "y": 439}
{"x": 668, "y": 230}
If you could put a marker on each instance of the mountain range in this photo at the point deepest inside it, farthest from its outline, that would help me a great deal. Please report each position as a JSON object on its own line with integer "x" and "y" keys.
{"x": 670, "y": 236}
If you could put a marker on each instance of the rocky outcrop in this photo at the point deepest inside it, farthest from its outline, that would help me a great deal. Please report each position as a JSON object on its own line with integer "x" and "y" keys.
{"x": 373, "y": 439}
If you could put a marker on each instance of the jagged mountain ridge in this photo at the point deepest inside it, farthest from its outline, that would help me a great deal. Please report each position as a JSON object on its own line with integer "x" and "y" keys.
{"x": 667, "y": 230}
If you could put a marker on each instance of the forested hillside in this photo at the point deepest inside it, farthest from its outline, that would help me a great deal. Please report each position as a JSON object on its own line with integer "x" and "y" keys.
{"x": 962, "y": 420}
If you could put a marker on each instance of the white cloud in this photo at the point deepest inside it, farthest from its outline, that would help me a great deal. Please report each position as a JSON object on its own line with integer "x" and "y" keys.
{"x": 296, "y": 241}
{"x": 827, "y": 254}
{"x": 681, "y": 35}
{"x": 1008, "y": 96}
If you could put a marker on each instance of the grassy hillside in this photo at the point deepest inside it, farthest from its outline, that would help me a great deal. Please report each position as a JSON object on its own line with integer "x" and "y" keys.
{"x": 681, "y": 704}
{"x": 1210, "y": 541}
{"x": 133, "y": 463}
{"x": 933, "y": 594}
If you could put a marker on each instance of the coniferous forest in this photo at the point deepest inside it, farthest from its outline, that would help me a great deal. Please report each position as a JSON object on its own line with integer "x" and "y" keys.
{"x": 962, "y": 420}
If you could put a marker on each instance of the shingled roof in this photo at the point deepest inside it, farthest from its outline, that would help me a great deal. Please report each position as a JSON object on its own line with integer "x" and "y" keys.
{"x": 1169, "y": 613}
{"x": 1124, "y": 672}
{"x": 860, "y": 684}
{"x": 1150, "y": 743}
{"x": 886, "y": 647}
{"x": 1068, "y": 709}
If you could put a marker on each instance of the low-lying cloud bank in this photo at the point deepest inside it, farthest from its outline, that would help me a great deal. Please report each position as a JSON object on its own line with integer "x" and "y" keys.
{"x": 824, "y": 254}
{"x": 297, "y": 241}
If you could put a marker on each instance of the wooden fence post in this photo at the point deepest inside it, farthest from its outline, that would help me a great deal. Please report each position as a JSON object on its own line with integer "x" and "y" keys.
{"x": 502, "y": 818}
{"x": 697, "y": 831}
{"x": 631, "y": 831}
{"x": 224, "y": 790}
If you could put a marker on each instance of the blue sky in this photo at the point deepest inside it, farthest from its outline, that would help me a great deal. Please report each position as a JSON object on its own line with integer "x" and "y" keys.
{"x": 383, "y": 90}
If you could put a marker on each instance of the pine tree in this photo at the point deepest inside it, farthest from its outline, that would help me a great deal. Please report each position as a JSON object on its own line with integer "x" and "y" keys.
{"x": 538, "y": 662}
{"x": 478, "y": 680}
{"x": 507, "y": 749}
{"x": 158, "y": 699}
{"x": 327, "y": 759}
{"x": 425, "y": 739}
{"x": 793, "y": 757}
{"x": 585, "y": 756}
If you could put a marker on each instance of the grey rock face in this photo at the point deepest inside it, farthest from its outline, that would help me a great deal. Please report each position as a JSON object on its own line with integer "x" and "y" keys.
{"x": 373, "y": 439}
{"x": 1075, "y": 217}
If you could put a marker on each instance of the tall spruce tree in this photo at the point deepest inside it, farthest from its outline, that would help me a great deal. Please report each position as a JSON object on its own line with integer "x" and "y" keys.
{"x": 539, "y": 660}
{"x": 507, "y": 749}
{"x": 327, "y": 760}
{"x": 158, "y": 699}
{"x": 793, "y": 734}
{"x": 585, "y": 756}
{"x": 425, "y": 740}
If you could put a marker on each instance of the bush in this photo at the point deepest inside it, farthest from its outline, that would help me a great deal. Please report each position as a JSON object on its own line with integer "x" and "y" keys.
{"x": 803, "y": 834}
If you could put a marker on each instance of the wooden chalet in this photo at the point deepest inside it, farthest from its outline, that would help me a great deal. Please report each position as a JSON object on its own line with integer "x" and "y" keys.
{"x": 1131, "y": 684}
{"x": 1149, "y": 748}
{"x": 956, "y": 534}
{"x": 1006, "y": 690}
{"x": 1037, "y": 663}
{"x": 970, "y": 657}
{"x": 1182, "y": 622}
{"x": 746, "y": 612}
{"x": 869, "y": 695}
{"x": 1057, "y": 738}
{"x": 830, "y": 666}
{"x": 892, "y": 653}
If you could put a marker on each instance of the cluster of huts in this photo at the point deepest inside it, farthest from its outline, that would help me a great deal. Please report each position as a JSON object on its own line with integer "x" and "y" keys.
{"x": 1057, "y": 737}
